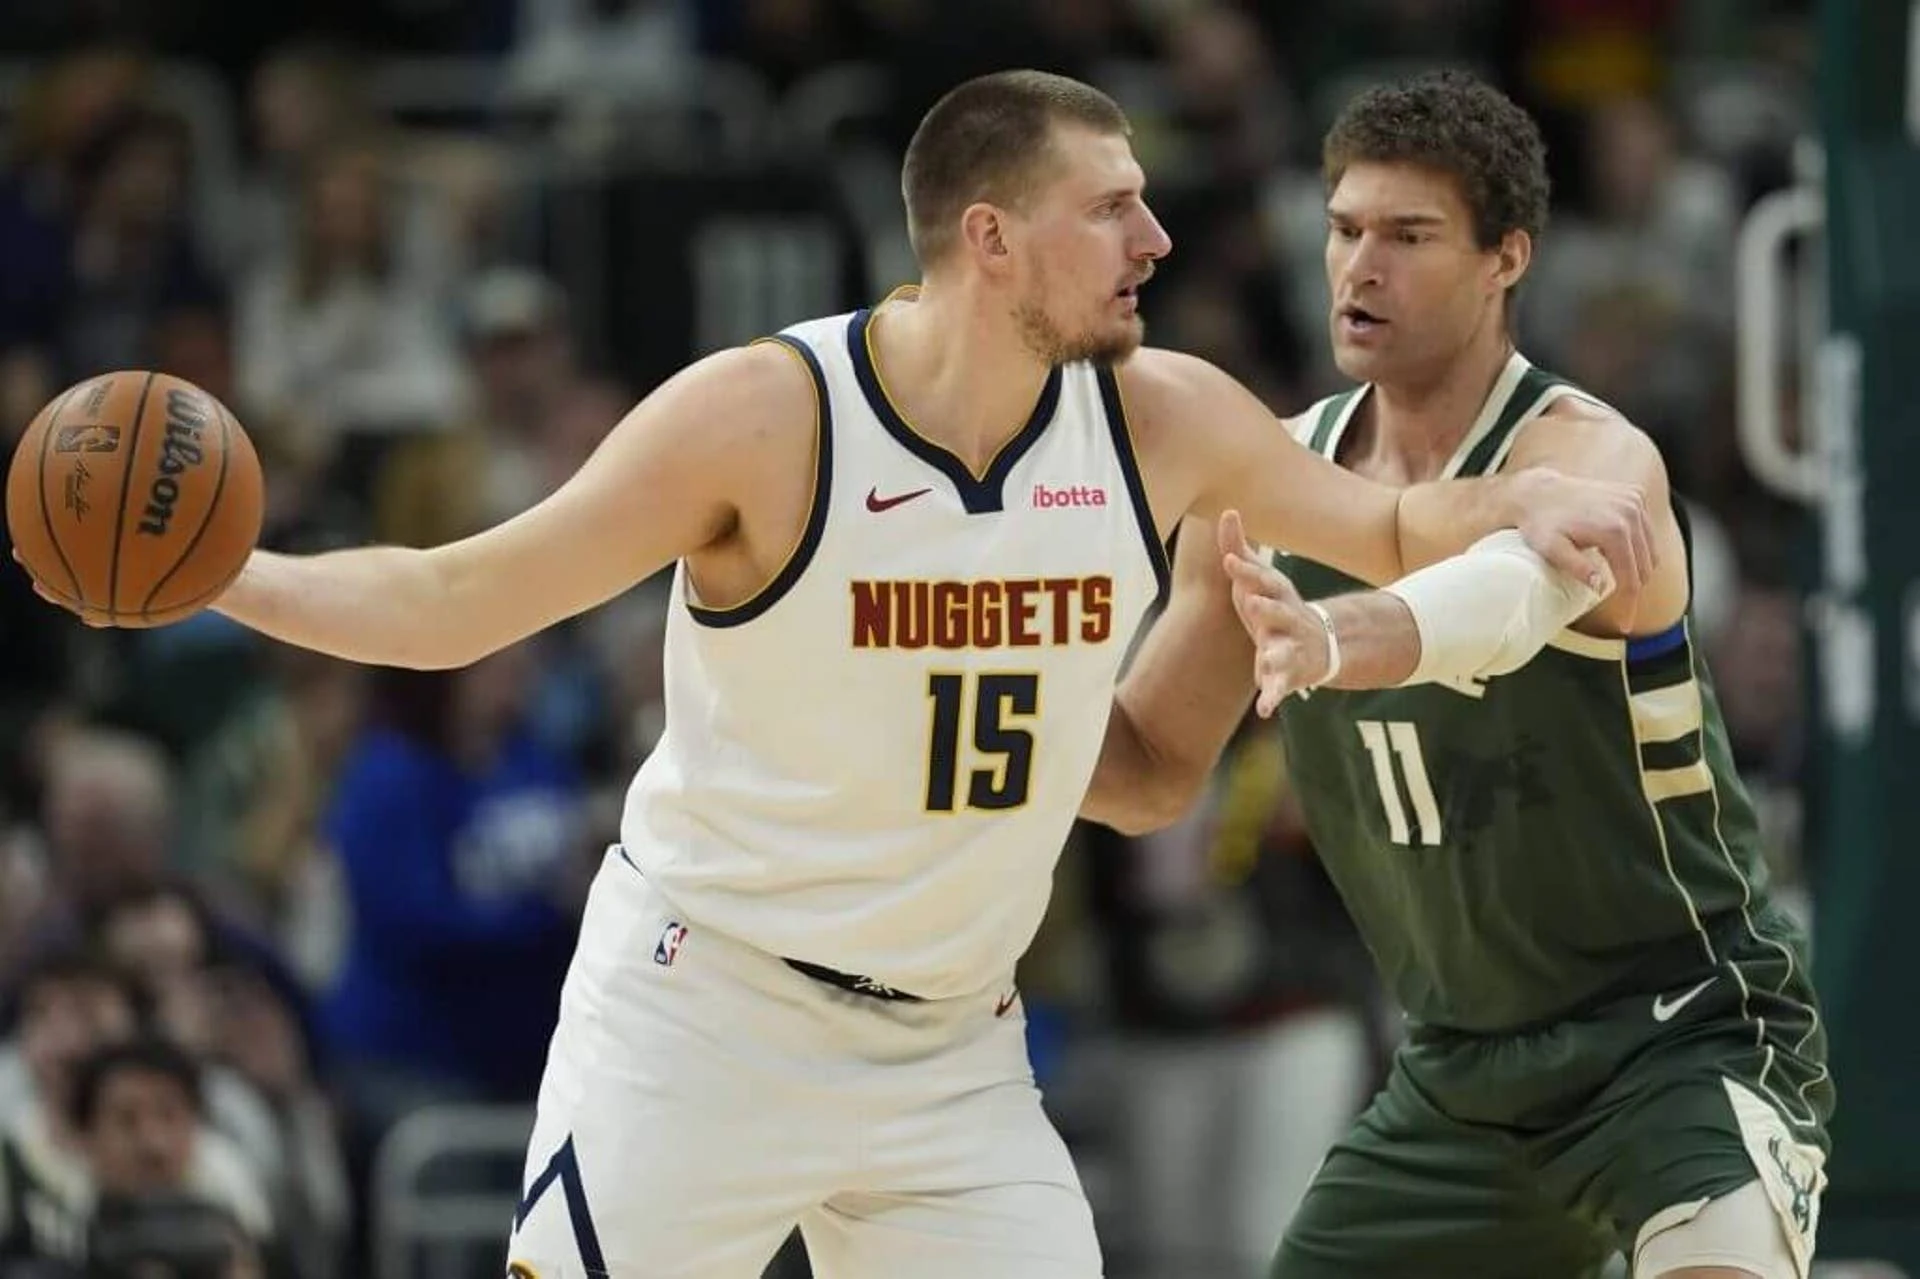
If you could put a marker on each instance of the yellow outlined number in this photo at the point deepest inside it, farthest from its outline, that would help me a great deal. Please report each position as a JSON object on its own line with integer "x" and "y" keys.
{"x": 1000, "y": 700}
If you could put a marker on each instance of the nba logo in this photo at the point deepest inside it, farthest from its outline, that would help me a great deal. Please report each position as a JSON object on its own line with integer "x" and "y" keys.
{"x": 669, "y": 947}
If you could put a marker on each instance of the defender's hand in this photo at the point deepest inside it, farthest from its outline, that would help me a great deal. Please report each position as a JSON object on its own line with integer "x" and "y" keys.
{"x": 1567, "y": 520}
{"x": 1291, "y": 652}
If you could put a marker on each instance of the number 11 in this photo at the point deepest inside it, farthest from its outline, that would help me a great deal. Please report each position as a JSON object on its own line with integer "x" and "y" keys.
{"x": 1384, "y": 742}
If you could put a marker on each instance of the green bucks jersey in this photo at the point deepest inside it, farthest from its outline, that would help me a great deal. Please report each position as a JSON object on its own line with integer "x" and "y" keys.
{"x": 1516, "y": 847}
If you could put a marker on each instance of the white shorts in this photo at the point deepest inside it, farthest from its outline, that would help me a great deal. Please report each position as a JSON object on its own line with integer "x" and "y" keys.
{"x": 701, "y": 1098}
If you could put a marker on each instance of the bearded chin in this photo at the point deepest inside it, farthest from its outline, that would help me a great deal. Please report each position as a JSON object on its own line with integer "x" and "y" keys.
{"x": 1052, "y": 345}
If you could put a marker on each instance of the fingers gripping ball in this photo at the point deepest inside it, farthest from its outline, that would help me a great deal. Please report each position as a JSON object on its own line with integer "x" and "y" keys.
{"x": 134, "y": 499}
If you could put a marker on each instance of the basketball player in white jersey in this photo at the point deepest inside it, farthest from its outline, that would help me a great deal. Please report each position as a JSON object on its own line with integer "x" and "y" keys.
{"x": 912, "y": 545}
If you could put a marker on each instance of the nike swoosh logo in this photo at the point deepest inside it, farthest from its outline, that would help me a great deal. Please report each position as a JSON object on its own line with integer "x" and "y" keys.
{"x": 1006, "y": 1002}
{"x": 1664, "y": 1008}
{"x": 876, "y": 503}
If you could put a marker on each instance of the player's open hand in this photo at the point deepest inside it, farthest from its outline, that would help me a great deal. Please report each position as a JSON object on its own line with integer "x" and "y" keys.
{"x": 1567, "y": 520}
{"x": 1290, "y": 649}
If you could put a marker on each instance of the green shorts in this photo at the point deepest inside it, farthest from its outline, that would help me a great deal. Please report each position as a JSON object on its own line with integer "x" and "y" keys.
{"x": 1546, "y": 1153}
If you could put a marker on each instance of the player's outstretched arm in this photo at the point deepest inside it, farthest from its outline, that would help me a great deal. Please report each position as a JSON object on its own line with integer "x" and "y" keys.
{"x": 1224, "y": 451}
{"x": 665, "y": 483}
{"x": 1185, "y": 693}
{"x": 1472, "y": 616}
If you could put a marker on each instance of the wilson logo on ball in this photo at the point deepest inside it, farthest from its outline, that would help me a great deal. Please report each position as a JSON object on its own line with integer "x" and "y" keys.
{"x": 93, "y": 438}
{"x": 186, "y": 418}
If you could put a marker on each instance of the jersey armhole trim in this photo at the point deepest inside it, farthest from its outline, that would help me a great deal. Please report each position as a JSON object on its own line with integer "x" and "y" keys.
{"x": 802, "y": 553}
{"x": 1331, "y": 421}
{"x": 1115, "y": 405}
{"x": 1632, "y": 651}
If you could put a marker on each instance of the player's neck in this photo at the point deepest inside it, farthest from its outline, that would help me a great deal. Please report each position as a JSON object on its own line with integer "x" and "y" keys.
{"x": 1418, "y": 424}
{"x": 961, "y": 378}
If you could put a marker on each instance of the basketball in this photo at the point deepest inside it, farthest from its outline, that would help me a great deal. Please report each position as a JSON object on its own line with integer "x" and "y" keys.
{"x": 134, "y": 498}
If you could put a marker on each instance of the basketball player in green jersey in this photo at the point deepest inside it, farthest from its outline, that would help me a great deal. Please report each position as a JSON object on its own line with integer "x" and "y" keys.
{"x": 1522, "y": 788}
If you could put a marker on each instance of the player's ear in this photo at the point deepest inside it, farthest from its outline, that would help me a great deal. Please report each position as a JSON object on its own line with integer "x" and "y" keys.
{"x": 983, "y": 228}
{"x": 1511, "y": 259}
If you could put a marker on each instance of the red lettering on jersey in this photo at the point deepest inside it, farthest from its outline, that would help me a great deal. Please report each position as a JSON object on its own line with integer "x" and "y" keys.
{"x": 1045, "y": 498}
{"x": 1062, "y": 588}
{"x": 872, "y": 613}
{"x": 989, "y": 611}
{"x": 1020, "y": 610}
{"x": 950, "y": 601}
{"x": 1096, "y": 610}
{"x": 912, "y": 614}
{"x": 985, "y": 614}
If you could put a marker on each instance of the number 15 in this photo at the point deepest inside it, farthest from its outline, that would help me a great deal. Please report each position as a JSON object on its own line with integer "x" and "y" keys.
{"x": 1000, "y": 701}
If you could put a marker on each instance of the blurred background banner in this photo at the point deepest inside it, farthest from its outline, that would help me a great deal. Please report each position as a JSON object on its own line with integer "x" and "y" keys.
{"x": 429, "y": 251}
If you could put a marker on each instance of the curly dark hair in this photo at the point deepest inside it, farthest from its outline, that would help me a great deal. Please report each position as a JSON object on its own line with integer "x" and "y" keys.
{"x": 1461, "y": 126}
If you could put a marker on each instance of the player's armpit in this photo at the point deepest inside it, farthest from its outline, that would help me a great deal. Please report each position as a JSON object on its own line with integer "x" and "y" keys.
{"x": 1209, "y": 445}
{"x": 667, "y": 481}
{"x": 1181, "y": 700}
{"x": 1583, "y": 440}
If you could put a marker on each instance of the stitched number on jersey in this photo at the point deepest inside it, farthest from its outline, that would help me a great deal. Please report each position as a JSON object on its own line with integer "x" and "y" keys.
{"x": 1002, "y": 752}
{"x": 1394, "y": 746}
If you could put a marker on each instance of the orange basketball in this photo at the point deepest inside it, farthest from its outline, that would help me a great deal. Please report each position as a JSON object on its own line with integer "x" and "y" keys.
{"x": 134, "y": 498}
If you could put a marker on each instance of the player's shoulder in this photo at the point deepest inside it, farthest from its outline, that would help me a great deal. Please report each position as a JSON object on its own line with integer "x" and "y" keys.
{"x": 1163, "y": 385}
{"x": 780, "y": 368}
{"x": 1576, "y": 421}
{"x": 754, "y": 389}
{"x": 1156, "y": 371}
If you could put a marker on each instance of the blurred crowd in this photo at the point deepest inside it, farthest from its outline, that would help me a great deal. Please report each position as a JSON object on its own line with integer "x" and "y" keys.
{"x": 257, "y": 907}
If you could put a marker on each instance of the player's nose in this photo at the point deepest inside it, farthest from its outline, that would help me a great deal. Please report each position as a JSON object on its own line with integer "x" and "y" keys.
{"x": 1363, "y": 262}
{"x": 1151, "y": 240}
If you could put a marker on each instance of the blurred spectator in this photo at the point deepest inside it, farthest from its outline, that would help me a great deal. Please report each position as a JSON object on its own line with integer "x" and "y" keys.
{"x": 171, "y": 1236}
{"x": 1226, "y": 299}
{"x": 1243, "y": 1003}
{"x": 36, "y": 677}
{"x": 1629, "y": 294}
{"x": 66, "y": 1004}
{"x": 465, "y": 862}
{"x": 1236, "y": 113}
{"x": 538, "y": 415}
{"x": 163, "y": 934}
{"x": 107, "y": 821}
{"x": 70, "y": 102}
{"x": 138, "y": 1113}
{"x": 132, "y": 263}
{"x": 334, "y": 335}
{"x": 303, "y": 98}
{"x": 261, "y": 1033}
{"x": 255, "y": 792}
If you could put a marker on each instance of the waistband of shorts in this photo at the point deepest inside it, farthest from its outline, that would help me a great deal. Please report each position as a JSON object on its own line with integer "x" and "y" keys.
{"x": 872, "y": 987}
{"x": 747, "y": 951}
{"x": 1658, "y": 967}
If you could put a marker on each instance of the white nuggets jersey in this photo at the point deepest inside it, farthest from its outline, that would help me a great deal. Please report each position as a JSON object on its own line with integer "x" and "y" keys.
{"x": 873, "y": 764}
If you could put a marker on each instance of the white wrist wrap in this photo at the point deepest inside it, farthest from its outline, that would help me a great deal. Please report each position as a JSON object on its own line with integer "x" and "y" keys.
{"x": 1488, "y": 611}
{"x": 1333, "y": 645}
